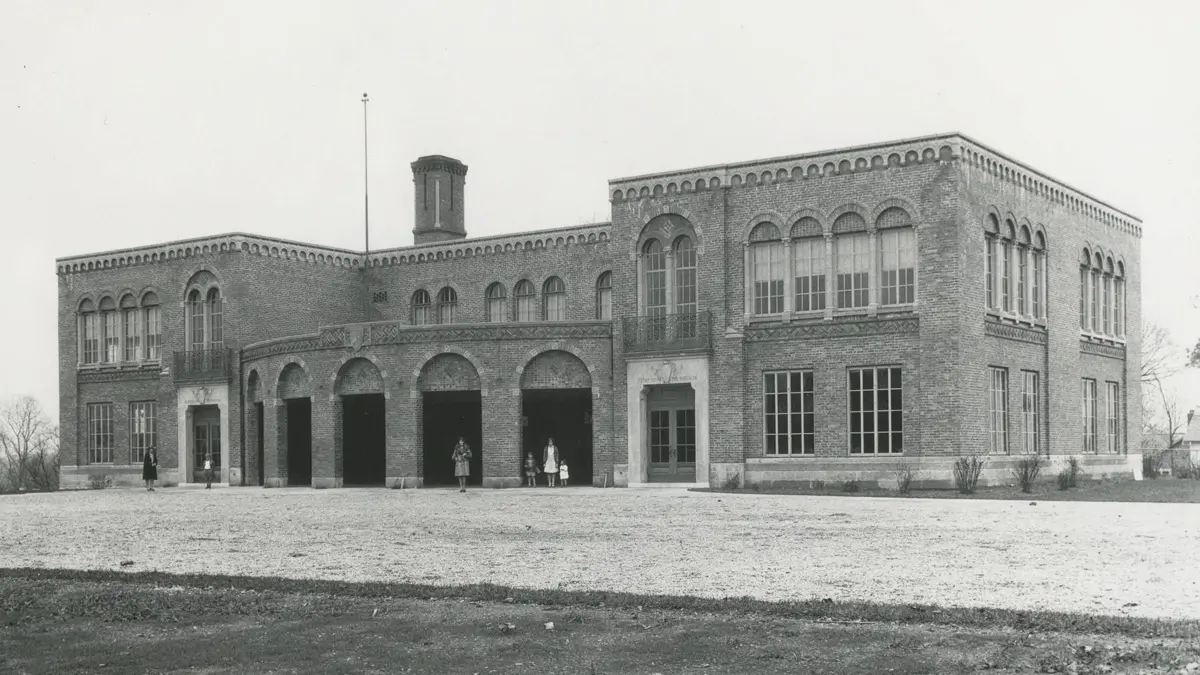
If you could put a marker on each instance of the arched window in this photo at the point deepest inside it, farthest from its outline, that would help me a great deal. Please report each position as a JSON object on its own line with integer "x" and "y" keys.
{"x": 216, "y": 328}
{"x": 809, "y": 266}
{"x": 667, "y": 269}
{"x": 110, "y": 351}
{"x": 992, "y": 235}
{"x": 852, "y": 260}
{"x": 131, "y": 322}
{"x": 897, "y": 258}
{"x": 1038, "y": 283}
{"x": 523, "y": 307}
{"x": 447, "y": 302}
{"x": 494, "y": 299}
{"x": 604, "y": 297}
{"x": 654, "y": 279}
{"x": 1015, "y": 270}
{"x": 767, "y": 265}
{"x": 195, "y": 305}
{"x": 1106, "y": 304}
{"x": 1023, "y": 272}
{"x": 554, "y": 300}
{"x": 1084, "y": 301}
{"x": 1097, "y": 264}
{"x": 420, "y": 307}
{"x": 151, "y": 325}
{"x": 89, "y": 333}
{"x": 1119, "y": 300}
{"x": 1006, "y": 268}
{"x": 685, "y": 276}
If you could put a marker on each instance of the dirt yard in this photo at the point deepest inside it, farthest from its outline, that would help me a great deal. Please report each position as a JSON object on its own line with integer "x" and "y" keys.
{"x": 1127, "y": 559}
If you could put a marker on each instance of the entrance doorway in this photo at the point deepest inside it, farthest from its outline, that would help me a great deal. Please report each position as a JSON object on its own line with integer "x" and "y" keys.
{"x": 258, "y": 416}
{"x": 446, "y": 415}
{"x": 299, "y": 441}
{"x": 206, "y": 441}
{"x": 364, "y": 458}
{"x": 566, "y": 416}
{"x": 671, "y": 434}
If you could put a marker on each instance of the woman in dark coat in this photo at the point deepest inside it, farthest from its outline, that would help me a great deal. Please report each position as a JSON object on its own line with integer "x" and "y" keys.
{"x": 462, "y": 464}
{"x": 150, "y": 468}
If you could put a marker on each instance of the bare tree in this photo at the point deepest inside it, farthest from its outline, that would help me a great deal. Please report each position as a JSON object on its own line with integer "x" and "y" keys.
{"x": 1194, "y": 356}
{"x": 1161, "y": 357}
{"x": 44, "y": 463}
{"x": 26, "y": 434}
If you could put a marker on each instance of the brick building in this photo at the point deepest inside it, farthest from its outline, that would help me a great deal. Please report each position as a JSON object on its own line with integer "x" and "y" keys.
{"x": 824, "y": 316}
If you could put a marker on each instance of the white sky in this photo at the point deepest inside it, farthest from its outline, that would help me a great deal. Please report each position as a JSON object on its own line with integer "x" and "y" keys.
{"x": 125, "y": 123}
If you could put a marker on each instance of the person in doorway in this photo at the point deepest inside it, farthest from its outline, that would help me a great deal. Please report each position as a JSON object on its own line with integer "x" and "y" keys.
{"x": 563, "y": 474}
{"x": 550, "y": 462}
{"x": 150, "y": 468}
{"x": 462, "y": 464}
{"x": 530, "y": 470}
{"x": 208, "y": 472}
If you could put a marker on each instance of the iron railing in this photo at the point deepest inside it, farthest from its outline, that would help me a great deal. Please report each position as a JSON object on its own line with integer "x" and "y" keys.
{"x": 203, "y": 365}
{"x": 667, "y": 333}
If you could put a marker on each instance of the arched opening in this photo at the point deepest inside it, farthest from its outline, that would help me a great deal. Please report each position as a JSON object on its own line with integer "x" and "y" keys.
{"x": 295, "y": 427}
{"x": 361, "y": 446}
{"x": 451, "y": 406}
{"x": 556, "y": 402}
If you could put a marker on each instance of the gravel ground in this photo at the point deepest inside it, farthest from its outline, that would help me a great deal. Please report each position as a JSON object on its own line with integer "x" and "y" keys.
{"x": 1107, "y": 558}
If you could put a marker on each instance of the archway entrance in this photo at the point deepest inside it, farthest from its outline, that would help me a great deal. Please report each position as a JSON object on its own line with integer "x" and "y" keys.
{"x": 556, "y": 402}
{"x": 451, "y": 406}
{"x": 359, "y": 387}
{"x": 295, "y": 391}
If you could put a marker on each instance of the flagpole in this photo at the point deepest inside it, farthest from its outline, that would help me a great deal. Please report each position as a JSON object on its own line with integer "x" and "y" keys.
{"x": 366, "y": 189}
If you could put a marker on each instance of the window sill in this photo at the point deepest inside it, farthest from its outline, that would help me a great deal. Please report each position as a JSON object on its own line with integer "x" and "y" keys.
{"x": 1101, "y": 339}
{"x": 773, "y": 459}
{"x": 121, "y": 365}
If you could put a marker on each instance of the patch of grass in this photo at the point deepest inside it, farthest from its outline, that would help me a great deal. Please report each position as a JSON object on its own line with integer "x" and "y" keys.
{"x": 1165, "y": 490}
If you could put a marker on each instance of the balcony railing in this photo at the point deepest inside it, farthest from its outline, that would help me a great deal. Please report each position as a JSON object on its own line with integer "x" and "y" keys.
{"x": 203, "y": 365}
{"x": 667, "y": 333}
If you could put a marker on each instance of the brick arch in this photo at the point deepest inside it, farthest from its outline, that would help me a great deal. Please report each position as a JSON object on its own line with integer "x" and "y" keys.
{"x": 427, "y": 377}
{"x": 555, "y": 369}
{"x": 141, "y": 296}
{"x": 293, "y": 386}
{"x": 254, "y": 386}
{"x": 795, "y": 218}
{"x": 895, "y": 202}
{"x": 560, "y": 347}
{"x": 849, "y": 208}
{"x": 480, "y": 371}
{"x": 655, "y": 211}
{"x": 772, "y": 217}
{"x": 1039, "y": 230}
{"x": 198, "y": 281}
{"x": 84, "y": 297}
{"x": 358, "y": 374}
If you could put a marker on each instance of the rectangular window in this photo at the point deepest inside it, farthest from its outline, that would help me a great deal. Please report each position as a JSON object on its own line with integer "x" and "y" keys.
{"x": 898, "y": 264}
{"x": 1083, "y": 299}
{"x": 216, "y": 332}
{"x": 768, "y": 261}
{"x": 604, "y": 304}
{"x": 1029, "y": 412}
{"x": 556, "y": 306}
{"x": 1006, "y": 278}
{"x": 133, "y": 335}
{"x": 153, "y": 338}
{"x": 998, "y": 438}
{"x": 525, "y": 308}
{"x": 1022, "y": 286}
{"x": 788, "y": 413}
{"x": 1089, "y": 415}
{"x": 91, "y": 338}
{"x": 853, "y": 256}
{"x": 495, "y": 310}
{"x": 1112, "y": 403}
{"x": 991, "y": 272}
{"x": 112, "y": 337}
{"x": 1038, "y": 284}
{"x": 809, "y": 255}
{"x": 876, "y": 417}
{"x": 1094, "y": 307}
{"x": 143, "y": 429}
{"x": 197, "y": 311}
{"x": 100, "y": 433}
{"x": 1106, "y": 306}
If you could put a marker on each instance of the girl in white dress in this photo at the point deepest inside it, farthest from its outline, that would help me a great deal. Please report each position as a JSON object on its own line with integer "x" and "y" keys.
{"x": 550, "y": 462}
{"x": 563, "y": 474}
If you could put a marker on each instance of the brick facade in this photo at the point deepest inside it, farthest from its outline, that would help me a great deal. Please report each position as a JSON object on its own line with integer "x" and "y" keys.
{"x": 321, "y": 323}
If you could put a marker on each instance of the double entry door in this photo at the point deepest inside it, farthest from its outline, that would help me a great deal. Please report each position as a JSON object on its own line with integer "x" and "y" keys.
{"x": 671, "y": 417}
{"x": 206, "y": 441}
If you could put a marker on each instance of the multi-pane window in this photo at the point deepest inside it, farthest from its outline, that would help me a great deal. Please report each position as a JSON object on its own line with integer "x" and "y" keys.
{"x": 1029, "y": 413}
{"x": 685, "y": 276}
{"x": 447, "y": 305}
{"x": 788, "y": 413}
{"x": 216, "y": 327}
{"x": 768, "y": 264}
{"x": 100, "y": 433}
{"x": 112, "y": 332}
{"x": 1112, "y": 404}
{"x": 809, "y": 256}
{"x": 1022, "y": 271}
{"x": 604, "y": 297}
{"x": 523, "y": 307}
{"x": 90, "y": 328}
{"x": 143, "y": 429}
{"x": 876, "y": 411}
{"x": 853, "y": 264}
{"x": 554, "y": 300}
{"x": 1106, "y": 305}
{"x": 495, "y": 303}
{"x": 1089, "y": 415}
{"x": 991, "y": 272}
{"x": 1083, "y": 299}
{"x": 420, "y": 307}
{"x": 1118, "y": 307}
{"x": 1095, "y": 302}
{"x": 196, "y": 311}
{"x": 1006, "y": 277}
{"x": 654, "y": 270}
{"x": 152, "y": 327}
{"x": 898, "y": 264}
{"x": 133, "y": 334}
{"x": 998, "y": 408}
{"x": 1038, "y": 283}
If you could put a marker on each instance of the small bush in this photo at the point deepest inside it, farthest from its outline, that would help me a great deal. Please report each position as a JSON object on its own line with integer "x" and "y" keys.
{"x": 1189, "y": 469}
{"x": 904, "y": 479}
{"x": 1151, "y": 464}
{"x": 850, "y": 486}
{"x": 1073, "y": 470}
{"x": 966, "y": 474}
{"x": 731, "y": 483}
{"x": 99, "y": 481}
{"x": 1027, "y": 471}
{"x": 1064, "y": 479}
{"x": 818, "y": 485}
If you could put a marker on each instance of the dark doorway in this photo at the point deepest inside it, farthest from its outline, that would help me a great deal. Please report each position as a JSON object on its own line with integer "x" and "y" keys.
{"x": 448, "y": 415}
{"x": 364, "y": 455}
{"x": 566, "y": 416}
{"x": 258, "y": 416}
{"x": 299, "y": 441}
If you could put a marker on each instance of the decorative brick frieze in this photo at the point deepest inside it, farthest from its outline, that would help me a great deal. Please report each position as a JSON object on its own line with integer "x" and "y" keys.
{"x": 830, "y": 329}
{"x": 1115, "y": 351}
{"x": 89, "y": 375}
{"x": 1010, "y": 331}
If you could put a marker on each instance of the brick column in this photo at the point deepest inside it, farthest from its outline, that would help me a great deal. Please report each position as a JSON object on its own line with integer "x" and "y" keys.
{"x": 874, "y": 281}
{"x": 253, "y": 470}
{"x": 502, "y": 434}
{"x": 325, "y": 472}
{"x": 748, "y": 280}
{"x": 789, "y": 280}
{"x": 274, "y": 443}
{"x": 402, "y": 413}
{"x": 830, "y": 277}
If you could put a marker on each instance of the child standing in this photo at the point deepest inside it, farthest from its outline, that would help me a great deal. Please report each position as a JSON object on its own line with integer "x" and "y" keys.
{"x": 530, "y": 470}
{"x": 208, "y": 472}
{"x": 562, "y": 473}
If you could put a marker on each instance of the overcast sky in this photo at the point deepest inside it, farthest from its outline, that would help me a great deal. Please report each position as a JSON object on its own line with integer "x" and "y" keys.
{"x": 127, "y": 123}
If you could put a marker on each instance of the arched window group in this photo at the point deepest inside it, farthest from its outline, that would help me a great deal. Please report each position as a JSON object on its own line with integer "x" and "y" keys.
{"x": 125, "y": 331}
{"x": 870, "y": 265}
{"x": 204, "y": 325}
{"x": 525, "y": 304}
{"x": 1101, "y": 294}
{"x": 1016, "y": 270}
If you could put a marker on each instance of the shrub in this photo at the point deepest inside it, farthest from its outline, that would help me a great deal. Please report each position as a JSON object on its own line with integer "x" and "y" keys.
{"x": 731, "y": 482}
{"x": 850, "y": 486}
{"x": 818, "y": 485}
{"x": 966, "y": 474}
{"x": 1150, "y": 464}
{"x": 904, "y": 479}
{"x": 99, "y": 481}
{"x": 1027, "y": 471}
{"x": 1189, "y": 469}
{"x": 1073, "y": 470}
{"x": 1064, "y": 479}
